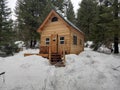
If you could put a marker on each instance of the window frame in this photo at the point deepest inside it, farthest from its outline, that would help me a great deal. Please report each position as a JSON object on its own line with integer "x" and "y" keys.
{"x": 74, "y": 39}
{"x": 54, "y": 19}
{"x": 47, "y": 42}
{"x": 62, "y": 41}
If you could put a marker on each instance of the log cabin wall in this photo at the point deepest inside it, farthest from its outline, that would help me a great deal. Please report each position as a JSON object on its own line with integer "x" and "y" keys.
{"x": 79, "y": 46}
{"x": 73, "y": 38}
{"x": 59, "y": 28}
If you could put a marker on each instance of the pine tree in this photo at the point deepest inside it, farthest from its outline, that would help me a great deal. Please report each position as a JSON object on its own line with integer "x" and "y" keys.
{"x": 86, "y": 16}
{"x": 107, "y": 24}
{"x": 58, "y": 4}
{"x": 113, "y": 25}
{"x": 70, "y": 12}
{"x": 101, "y": 34}
{"x": 116, "y": 26}
{"x": 30, "y": 14}
{"x": 5, "y": 23}
{"x": 66, "y": 7}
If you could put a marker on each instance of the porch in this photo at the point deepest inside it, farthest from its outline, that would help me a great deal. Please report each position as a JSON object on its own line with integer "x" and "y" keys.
{"x": 55, "y": 58}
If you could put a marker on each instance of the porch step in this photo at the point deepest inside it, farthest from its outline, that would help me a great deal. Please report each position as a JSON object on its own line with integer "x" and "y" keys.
{"x": 56, "y": 60}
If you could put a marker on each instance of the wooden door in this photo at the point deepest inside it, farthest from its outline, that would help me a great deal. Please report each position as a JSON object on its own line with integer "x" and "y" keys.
{"x": 54, "y": 43}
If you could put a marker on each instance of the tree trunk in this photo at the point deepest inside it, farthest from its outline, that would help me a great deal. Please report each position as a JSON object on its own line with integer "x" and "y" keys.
{"x": 116, "y": 36}
{"x": 116, "y": 42}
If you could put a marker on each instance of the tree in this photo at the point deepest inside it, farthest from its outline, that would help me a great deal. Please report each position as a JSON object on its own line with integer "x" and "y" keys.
{"x": 30, "y": 14}
{"x": 70, "y": 12}
{"x": 107, "y": 25}
{"x": 86, "y": 16}
{"x": 66, "y": 7}
{"x": 5, "y": 23}
{"x": 58, "y": 4}
{"x": 101, "y": 32}
{"x": 116, "y": 26}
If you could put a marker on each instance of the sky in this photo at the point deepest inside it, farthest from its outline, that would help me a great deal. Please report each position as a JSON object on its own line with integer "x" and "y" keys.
{"x": 12, "y": 4}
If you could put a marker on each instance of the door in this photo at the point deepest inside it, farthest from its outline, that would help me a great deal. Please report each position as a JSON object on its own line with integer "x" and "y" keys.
{"x": 54, "y": 43}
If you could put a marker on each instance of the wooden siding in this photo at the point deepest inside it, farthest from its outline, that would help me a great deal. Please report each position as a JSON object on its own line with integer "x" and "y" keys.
{"x": 62, "y": 29}
{"x": 59, "y": 28}
{"x": 76, "y": 49}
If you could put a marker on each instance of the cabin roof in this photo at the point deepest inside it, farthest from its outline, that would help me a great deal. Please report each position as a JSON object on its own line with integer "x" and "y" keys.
{"x": 66, "y": 20}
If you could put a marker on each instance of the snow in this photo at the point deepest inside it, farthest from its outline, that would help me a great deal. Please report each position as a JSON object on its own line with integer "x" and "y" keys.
{"x": 104, "y": 49}
{"x": 87, "y": 71}
{"x": 20, "y": 44}
{"x": 89, "y": 44}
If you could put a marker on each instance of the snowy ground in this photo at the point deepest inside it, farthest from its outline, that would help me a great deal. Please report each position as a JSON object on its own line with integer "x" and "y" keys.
{"x": 87, "y": 71}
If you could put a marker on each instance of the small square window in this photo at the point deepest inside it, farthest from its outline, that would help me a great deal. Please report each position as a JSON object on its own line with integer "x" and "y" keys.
{"x": 62, "y": 40}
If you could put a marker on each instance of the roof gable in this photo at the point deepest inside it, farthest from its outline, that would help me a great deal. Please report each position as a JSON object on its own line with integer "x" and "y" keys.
{"x": 67, "y": 22}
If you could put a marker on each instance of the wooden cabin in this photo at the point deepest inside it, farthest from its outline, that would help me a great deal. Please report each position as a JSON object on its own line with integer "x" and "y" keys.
{"x": 60, "y": 35}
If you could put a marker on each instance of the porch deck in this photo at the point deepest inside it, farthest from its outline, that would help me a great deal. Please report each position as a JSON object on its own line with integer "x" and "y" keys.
{"x": 54, "y": 58}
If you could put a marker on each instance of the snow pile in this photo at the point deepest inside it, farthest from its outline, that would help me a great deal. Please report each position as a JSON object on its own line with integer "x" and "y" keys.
{"x": 104, "y": 49}
{"x": 86, "y": 71}
{"x": 89, "y": 44}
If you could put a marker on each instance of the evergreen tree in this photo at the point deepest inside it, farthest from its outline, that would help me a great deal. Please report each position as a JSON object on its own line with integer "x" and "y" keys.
{"x": 30, "y": 14}
{"x": 116, "y": 25}
{"x": 113, "y": 25}
{"x": 70, "y": 12}
{"x": 107, "y": 24}
{"x": 86, "y": 16}
{"x": 66, "y": 7}
{"x": 101, "y": 34}
{"x": 58, "y": 4}
{"x": 5, "y": 23}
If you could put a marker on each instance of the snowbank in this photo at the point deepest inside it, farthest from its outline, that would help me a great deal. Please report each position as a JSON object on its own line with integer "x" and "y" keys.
{"x": 104, "y": 49}
{"x": 86, "y": 71}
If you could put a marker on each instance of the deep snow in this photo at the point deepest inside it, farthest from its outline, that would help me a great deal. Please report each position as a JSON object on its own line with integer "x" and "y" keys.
{"x": 87, "y": 71}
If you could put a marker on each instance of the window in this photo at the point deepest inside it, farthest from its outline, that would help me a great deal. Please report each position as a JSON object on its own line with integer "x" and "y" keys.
{"x": 80, "y": 42}
{"x": 62, "y": 40}
{"x": 74, "y": 40}
{"x": 54, "y": 19}
{"x": 47, "y": 41}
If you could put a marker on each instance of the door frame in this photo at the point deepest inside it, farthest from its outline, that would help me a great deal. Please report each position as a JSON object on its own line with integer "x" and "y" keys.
{"x": 54, "y": 43}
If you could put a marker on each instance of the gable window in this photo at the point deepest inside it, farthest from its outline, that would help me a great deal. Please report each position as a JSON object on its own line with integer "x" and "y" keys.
{"x": 47, "y": 41}
{"x": 54, "y": 19}
{"x": 74, "y": 40}
{"x": 62, "y": 40}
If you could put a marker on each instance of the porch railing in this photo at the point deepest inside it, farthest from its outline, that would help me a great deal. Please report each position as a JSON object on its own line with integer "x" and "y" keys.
{"x": 44, "y": 49}
{"x": 47, "y": 50}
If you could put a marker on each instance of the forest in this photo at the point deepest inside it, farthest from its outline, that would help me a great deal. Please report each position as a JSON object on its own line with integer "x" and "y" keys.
{"x": 98, "y": 19}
